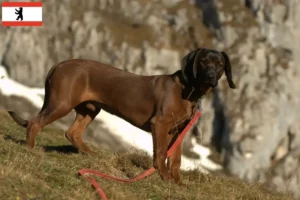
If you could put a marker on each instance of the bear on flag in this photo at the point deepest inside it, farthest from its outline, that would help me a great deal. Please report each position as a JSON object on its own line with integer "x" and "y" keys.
{"x": 22, "y": 14}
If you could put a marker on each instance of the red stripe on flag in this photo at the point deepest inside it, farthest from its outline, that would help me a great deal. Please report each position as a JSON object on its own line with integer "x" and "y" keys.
{"x": 22, "y": 23}
{"x": 21, "y": 4}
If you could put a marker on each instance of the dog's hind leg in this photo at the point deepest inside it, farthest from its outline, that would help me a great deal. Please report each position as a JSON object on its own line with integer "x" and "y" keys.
{"x": 51, "y": 113}
{"x": 85, "y": 113}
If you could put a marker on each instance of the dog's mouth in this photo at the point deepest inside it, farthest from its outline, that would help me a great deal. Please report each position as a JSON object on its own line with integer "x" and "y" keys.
{"x": 212, "y": 83}
{"x": 215, "y": 84}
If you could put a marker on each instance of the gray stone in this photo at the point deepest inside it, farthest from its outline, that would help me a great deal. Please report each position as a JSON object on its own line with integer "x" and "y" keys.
{"x": 265, "y": 106}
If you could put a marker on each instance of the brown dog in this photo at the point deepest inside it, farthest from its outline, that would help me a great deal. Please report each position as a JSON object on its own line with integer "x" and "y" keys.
{"x": 161, "y": 104}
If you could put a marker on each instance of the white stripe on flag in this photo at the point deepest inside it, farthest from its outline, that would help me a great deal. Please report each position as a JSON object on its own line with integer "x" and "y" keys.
{"x": 29, "y": 14}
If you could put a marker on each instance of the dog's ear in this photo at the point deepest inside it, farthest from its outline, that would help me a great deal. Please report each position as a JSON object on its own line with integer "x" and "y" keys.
{"x": 227, "y": 69}
{"x": 187, "y": 63}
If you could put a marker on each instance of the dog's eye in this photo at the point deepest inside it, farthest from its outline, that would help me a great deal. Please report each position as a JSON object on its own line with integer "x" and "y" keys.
{"x": 220, "y": 67}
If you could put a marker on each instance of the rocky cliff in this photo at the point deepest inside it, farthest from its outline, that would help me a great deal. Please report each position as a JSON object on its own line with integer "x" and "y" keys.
{"x": 254, "y": 128}
{"x": 263, "y": 115}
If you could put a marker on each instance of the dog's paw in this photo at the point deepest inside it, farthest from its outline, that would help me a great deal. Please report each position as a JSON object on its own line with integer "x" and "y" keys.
{"x": 87, "y": 152}
{"x": 165, "y": 176}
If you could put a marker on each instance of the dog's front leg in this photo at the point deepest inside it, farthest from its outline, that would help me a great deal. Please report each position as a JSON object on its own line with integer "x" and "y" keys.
{"x": 160, "y": 148}
{"x": 174, "y": 162}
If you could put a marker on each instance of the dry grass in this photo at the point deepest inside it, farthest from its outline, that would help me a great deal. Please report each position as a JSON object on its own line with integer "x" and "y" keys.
{"x": 50, "y": 172}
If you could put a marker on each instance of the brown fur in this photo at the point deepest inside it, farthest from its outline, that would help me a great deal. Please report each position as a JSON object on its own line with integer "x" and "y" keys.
{"x": 160, "y": 104}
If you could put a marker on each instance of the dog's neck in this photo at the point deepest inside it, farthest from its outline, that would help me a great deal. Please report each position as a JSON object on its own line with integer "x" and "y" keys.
{"x": 189, "y": 90}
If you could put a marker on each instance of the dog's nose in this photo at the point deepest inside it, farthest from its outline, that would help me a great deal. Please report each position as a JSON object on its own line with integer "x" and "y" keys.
{"x": 211, "y": 75}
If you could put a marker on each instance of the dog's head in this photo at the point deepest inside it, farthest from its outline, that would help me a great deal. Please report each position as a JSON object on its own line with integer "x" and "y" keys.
{"x": 206, "y": 66}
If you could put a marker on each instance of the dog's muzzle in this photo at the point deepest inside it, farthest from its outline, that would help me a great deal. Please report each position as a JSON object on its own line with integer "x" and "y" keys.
{"x": 212, "y": 78}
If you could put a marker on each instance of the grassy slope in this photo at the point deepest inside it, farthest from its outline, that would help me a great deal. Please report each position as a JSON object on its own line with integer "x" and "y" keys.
{"x": 50, "y": 172}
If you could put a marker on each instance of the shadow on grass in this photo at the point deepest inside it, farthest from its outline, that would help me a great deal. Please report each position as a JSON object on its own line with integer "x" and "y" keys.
{"x": 10, "y": 138}
{"x": 67, "y": 149}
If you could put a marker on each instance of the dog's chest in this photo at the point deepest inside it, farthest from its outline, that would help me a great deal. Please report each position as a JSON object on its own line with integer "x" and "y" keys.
{"x": 181, "y": 119}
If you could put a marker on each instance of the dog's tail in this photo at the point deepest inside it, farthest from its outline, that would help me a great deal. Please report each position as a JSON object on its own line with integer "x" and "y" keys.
{"x": 18, "y": 119}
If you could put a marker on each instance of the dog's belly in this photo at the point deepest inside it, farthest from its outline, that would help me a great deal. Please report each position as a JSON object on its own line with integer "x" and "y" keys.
{"x": 137, "y": 116}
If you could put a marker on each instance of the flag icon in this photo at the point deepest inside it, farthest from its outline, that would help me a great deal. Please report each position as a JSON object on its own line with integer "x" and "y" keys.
{"x": 22, "y": 14}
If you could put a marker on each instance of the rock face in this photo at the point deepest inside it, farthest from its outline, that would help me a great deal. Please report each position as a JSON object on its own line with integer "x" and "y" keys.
{"x": 253, "y": 127}
{"x": 263, "y": 113}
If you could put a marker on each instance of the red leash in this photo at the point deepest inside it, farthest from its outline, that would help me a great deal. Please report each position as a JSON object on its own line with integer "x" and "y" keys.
{"x": 143, "y": 175}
